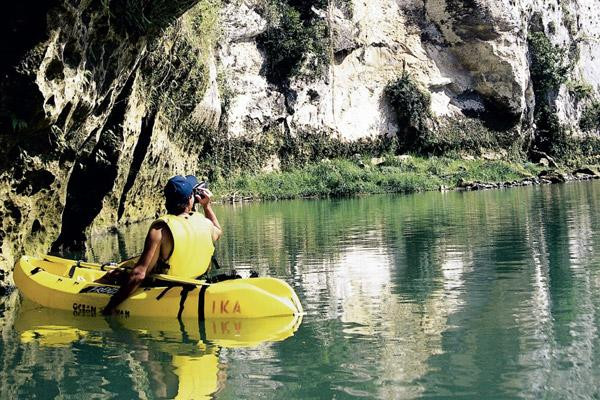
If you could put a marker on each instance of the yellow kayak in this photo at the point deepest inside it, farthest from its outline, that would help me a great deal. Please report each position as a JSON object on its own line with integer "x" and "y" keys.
{"x": 70, "y": 285}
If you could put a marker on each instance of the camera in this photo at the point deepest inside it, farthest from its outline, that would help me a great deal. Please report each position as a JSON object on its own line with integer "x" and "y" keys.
{"x": 198, "y": 189}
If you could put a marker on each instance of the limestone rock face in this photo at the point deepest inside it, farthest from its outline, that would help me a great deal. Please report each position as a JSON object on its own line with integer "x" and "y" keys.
{"x": 471, "y": 55}
{"x": 100, "y": 104}
{"x": 80, "y": 146}
{"x": 253, "y": 103}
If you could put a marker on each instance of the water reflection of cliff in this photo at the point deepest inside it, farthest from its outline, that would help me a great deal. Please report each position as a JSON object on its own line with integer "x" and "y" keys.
{"x": 471, "y": 288}
{"x": 379, "y": 290}
{"x": 527, "y": 325}
{"x": 471, "y": 294}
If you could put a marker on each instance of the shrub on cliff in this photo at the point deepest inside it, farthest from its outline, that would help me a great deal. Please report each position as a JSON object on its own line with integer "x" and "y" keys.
{"x": 580, "y": 90}
{"x": 294, "y": 35}
{"x": 590, "y": 119}
{"x": 411, "y": 104}
{"x": 549, "y": 70}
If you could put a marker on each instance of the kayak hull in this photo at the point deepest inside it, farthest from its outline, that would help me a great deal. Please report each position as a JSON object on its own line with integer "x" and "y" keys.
{"x": 69, "y": 285}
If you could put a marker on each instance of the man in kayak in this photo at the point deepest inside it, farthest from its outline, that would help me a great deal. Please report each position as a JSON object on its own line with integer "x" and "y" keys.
{"x": 180, "y": 243}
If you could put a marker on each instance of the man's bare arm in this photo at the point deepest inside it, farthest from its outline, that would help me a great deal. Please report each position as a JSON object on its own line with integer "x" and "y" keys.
{"x": 209, "y": 213}
{"x": 143, "y": 267}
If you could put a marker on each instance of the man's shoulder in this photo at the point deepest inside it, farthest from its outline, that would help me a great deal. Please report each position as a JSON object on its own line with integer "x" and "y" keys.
{"x": 160, "y": 231}
{"x": 155, "y": 233}
{"x": 159, "y": 224}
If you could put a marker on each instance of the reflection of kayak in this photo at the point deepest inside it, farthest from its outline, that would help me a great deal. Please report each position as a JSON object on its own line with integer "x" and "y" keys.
{"x": 198, "y": 376}
{"x": 69, "y": 285}
{"x": 58, "y": 327}
{"x": 193, "y": 345}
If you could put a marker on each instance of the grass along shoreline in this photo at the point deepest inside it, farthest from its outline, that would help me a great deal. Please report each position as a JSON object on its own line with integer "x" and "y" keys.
{"x": 393, "y": 174}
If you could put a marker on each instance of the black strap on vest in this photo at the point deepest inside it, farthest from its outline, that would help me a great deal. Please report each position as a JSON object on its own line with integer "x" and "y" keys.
{"x": 215, "y": 262}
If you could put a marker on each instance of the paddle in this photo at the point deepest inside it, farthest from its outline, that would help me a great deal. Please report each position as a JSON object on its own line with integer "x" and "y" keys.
{"x": 164, "y": 277}
{"x": 111, "y": 267}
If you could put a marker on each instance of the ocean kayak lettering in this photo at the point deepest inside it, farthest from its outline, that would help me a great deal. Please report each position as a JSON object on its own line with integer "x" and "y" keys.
{"x": 84, "y": 310}
{"x": 224, "y": 307}
{"x": 109, "y": 290}
{"x": 122, "y": 313}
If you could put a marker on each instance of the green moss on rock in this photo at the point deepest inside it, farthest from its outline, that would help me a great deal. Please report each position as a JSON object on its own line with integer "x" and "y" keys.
{"x": 175, "y": 72}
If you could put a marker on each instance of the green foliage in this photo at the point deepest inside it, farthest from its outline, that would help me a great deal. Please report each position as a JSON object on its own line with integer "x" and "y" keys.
{"x": 471, "y": 136}
{"x": 557, "y": 140}
{"x": 201, "y": 24}
{"x": 146, "y": 17}
{"x": 224, "y": 156}
{"x": 580, "y": 90}
{"x": 451, "y": 170}
{"x": 305, "y": 147}
{"x": 295, "y": 35}
{"x": 411, "y": 105}
{"x": 305, "y": 7}
{"x": 590, "y": 119}
{"x": 588, "y": 150}
{"x": 552, "y": 137}
{"x": 580, "y": 151}
{"x": 345, "y": 178}
{"x": 549, "y": 69}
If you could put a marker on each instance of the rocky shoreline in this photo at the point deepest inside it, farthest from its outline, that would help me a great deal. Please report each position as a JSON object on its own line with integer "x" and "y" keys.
{"x": 546, "y": 177}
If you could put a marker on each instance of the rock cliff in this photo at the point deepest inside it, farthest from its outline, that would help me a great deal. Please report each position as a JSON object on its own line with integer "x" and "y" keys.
{"x": 473, "y": 56}
{"x": 101, "y": 101}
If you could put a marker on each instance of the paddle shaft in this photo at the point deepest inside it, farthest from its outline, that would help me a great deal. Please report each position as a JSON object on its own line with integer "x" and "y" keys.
{"x": 163, "y": 277}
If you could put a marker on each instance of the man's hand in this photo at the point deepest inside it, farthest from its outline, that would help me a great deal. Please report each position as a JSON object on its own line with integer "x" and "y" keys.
{"x": 204, "y": 198}
{"x": 144, "y": 266}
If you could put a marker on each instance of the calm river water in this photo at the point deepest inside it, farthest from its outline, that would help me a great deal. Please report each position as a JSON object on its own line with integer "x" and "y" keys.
{"x": 437, "y": 295}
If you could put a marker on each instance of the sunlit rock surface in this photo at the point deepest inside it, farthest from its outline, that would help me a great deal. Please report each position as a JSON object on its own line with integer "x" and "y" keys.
{"x": 86, "y": 144}
{"x": 471, "y": 55}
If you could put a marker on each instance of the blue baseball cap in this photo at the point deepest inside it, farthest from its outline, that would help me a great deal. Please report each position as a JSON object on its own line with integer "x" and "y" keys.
{"x": 192, "y": 180}
{"x": 179, "y": 189}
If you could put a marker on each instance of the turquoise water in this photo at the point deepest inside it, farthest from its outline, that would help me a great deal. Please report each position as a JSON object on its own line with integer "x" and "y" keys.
{"x": 437, "y": 295}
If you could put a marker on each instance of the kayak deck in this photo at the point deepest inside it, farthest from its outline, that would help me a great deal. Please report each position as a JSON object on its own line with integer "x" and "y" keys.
{"x": 69, "y": 285}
